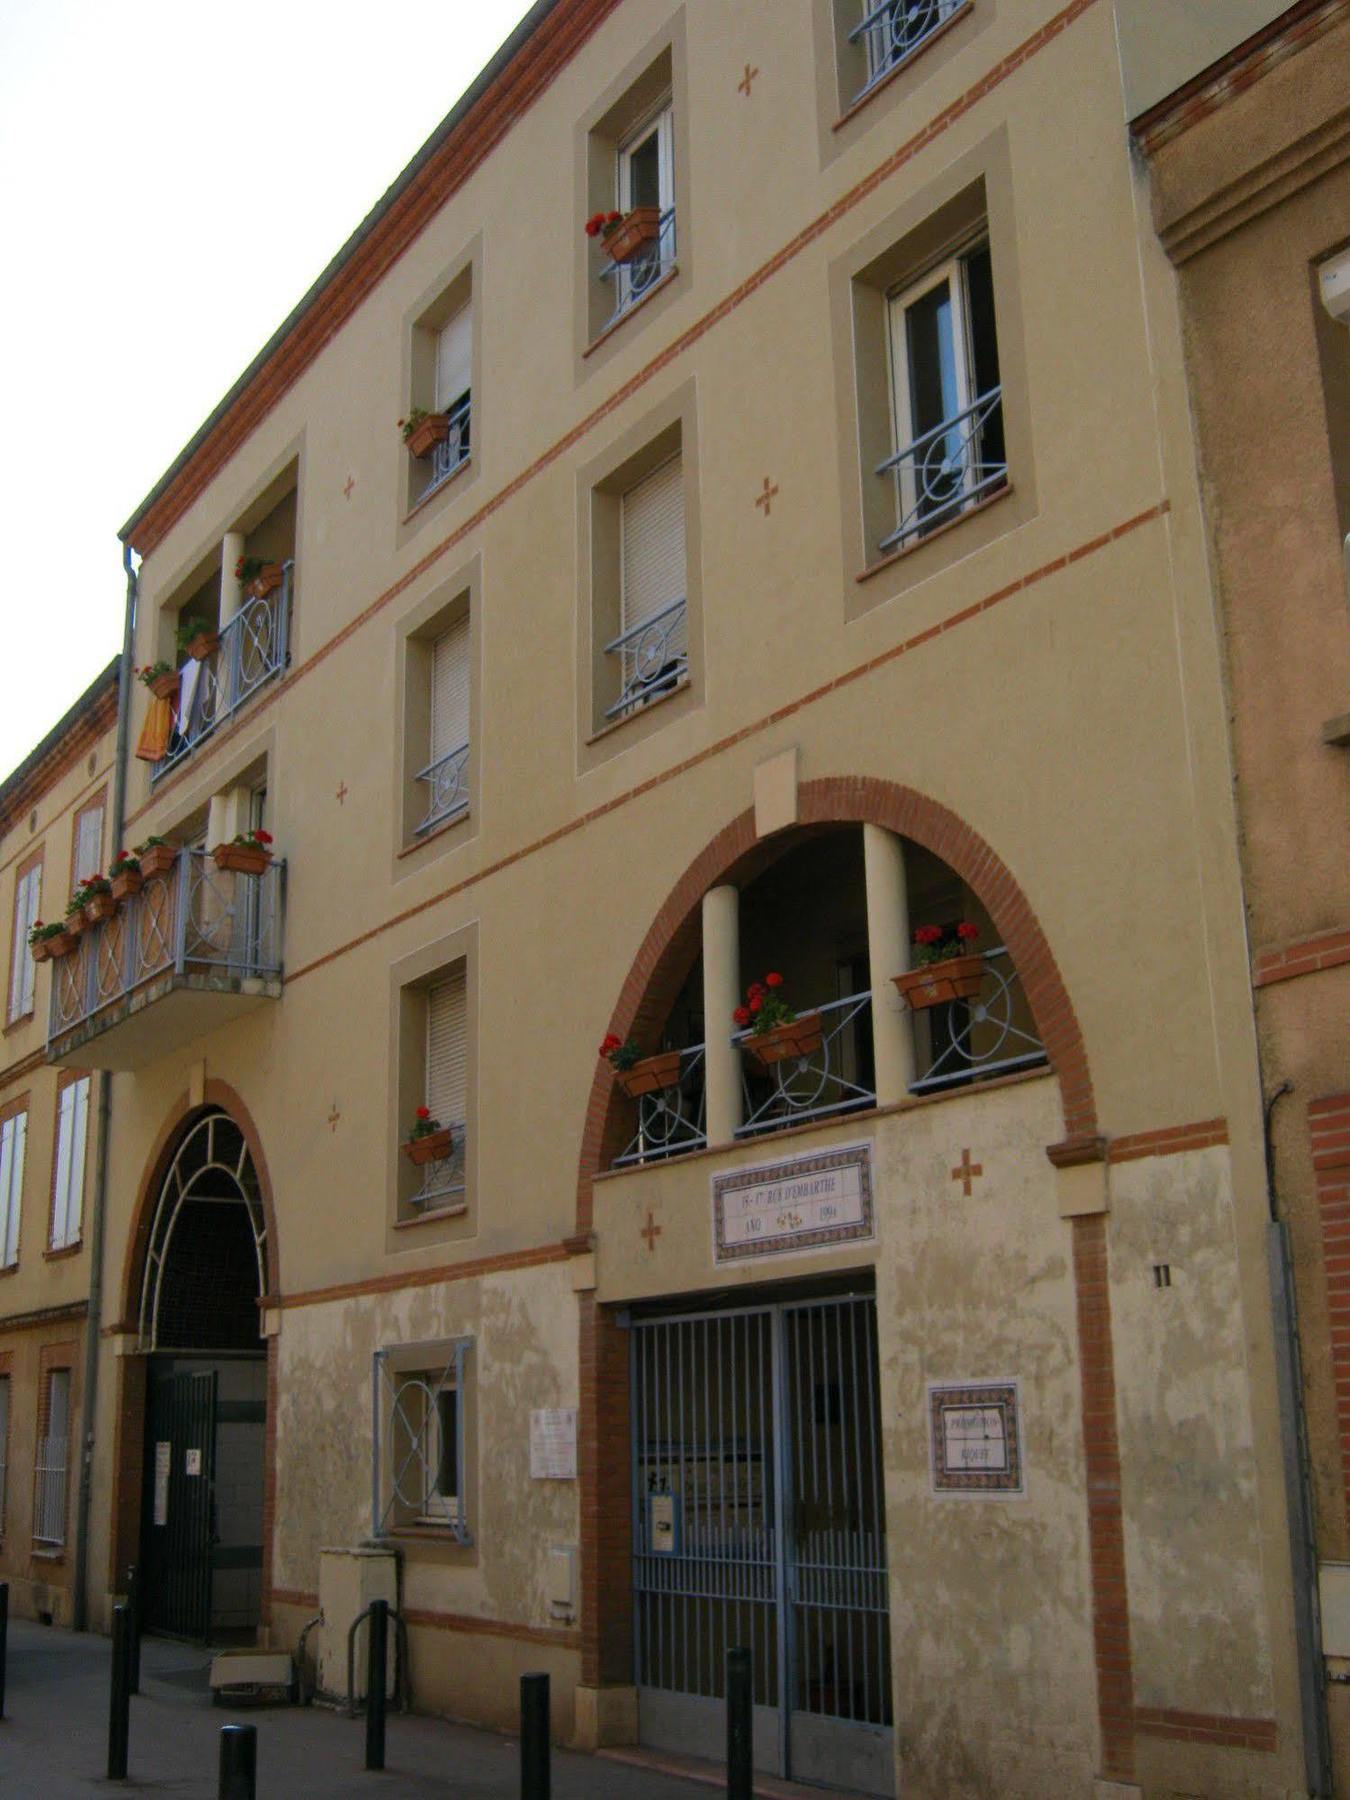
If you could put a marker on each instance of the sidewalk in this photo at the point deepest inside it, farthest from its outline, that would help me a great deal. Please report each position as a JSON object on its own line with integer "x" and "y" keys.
{"x": 53, "y": 1741}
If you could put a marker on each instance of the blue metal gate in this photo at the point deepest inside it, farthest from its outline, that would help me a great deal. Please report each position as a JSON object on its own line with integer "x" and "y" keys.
{"x": 759, "y": 1519}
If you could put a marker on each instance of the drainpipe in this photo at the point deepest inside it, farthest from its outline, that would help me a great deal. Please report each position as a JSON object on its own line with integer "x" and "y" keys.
{"x": 1298, "y": 1481}
{"x": 93, "y": 1324}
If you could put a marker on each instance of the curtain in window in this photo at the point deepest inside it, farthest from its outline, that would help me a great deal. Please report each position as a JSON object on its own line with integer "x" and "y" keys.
{"x": 22, "y": 971}
{"x": 68, "y": 1186}
{"x": 13, "y": 1137}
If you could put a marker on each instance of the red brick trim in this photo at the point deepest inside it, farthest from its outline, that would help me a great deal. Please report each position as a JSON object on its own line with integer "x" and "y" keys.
{"x": 555, "y": 1637}
{"x": 1106, "y": 1531}
{"x": 1206, "y": 1728}
{"x": 1304, "y": 956}
{"x": 1170, "y": 1141}
{"x": 603, "y": 1452}
{"x": 83, "y": 736}
{"x": 1329, "y": 1139}
{"x": 415, "y": 1278}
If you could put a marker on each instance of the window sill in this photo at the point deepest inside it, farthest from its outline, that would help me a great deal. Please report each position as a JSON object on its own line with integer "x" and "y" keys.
{"x": 639, "y": 712}
{"x": 428, "y": 1534}
{"x": 628, "y": 312}
{"x": 10, "y": 1268}
{"x": 892, "y": 557}
{"x": 64, "y": 1250}
{"x": 424, "y": 500}
{"x": 437, "y": 831}
{"x": 868, "y": 94}
{"x": 457, "y": 1211}
{"x": 48, "y": 1553}
{"x": 17, "y": 1024}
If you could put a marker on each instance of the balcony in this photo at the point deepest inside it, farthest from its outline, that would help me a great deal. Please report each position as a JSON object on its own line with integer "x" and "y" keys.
{"x": 946, "y": 470}
{"x": 447, "y": 782}
{"x": 194, "y": 949}
{"x": 253, "y": 648}
{"x": 452, "y": 451}
{"x": 895, "y": 30}
{"x": 635, "y": 279}
{"x": 653, "y": 658}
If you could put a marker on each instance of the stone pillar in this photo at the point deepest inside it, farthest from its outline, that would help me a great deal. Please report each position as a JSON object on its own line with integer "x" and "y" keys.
{"x": 231, "y": 591}
{"x": 721, "y": 997}
{"x": 888, "y": 954}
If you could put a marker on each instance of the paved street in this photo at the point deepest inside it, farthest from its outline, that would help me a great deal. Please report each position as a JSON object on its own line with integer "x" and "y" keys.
{"x": 53, "y": 1742}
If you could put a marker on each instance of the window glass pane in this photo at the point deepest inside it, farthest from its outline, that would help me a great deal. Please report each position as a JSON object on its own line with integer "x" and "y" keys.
{"x": 88, "y": 843}
{"x": 644, "y": 175}
{"x": 447, "y": 1468}
{"x": 932, "y": 360}
{"x": 13, "y": 1136}
{"x": 984, "y": 346}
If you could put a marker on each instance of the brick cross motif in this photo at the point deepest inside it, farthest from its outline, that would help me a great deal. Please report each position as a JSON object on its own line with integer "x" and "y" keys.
{"x": 743, "y": 85}
{"x": 333, "y": 1117}
{"x": 765, "y": 499}
{"x": 966, "y": 1171}
{"x": 347, "y": 487}
{"x": 650, "y": 1231}
{"x": 342, "y": 793}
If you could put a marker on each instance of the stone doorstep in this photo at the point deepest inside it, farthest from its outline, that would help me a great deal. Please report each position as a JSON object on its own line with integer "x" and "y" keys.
{"x": 714, "y": 1774}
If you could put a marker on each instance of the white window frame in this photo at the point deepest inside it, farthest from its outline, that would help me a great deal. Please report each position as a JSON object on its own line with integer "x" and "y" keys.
{"x": 51, "y": 1466}
{"x": 661, "y": 121}
{"x": 408, "y": 1382}
{"x": 13, "y": 1145}
{"x": 72, "y": 1136}
{"x": 22, "y": 968}
{"x": 88, "y": 859}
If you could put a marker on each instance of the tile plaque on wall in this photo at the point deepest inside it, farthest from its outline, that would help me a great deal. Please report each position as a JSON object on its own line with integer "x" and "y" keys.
{"x": 808, "y": 1202}
{"x": 975, "y": 1437}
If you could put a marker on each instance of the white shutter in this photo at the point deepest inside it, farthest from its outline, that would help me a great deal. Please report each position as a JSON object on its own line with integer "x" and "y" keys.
{"x": 68, "y": 1189}
{"x": 652, "y": 529}
{"x": 448, "y": 1049}
{"x": 23, "y": 970}
{"x": 13, "y": 1137}
{"x": 88, "y": 844}
{"x": 450, "y": 690}
{"x": 454, "y": 358}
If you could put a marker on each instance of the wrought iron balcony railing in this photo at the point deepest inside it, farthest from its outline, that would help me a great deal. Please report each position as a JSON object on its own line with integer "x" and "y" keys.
{"x": 637, "y": 277}
{"x": 944, "y": 471}
{"x": 196, "y": 921}
{"x": 453, "y": 450}
{"x": 670, "y": 1122}
{"x": 966, "y": 1040}
{"x": 895, "y": 29}
{"x": 254, "y": 647}
{"x": 447, "y": 782}
{"x": 834, "y": 1078}
{"x": 653, "y": 658}
{"x": 443, "y": 1180}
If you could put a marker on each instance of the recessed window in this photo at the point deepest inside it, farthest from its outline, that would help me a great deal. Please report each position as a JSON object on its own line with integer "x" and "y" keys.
{"x": 439, "y": 432}
{"x": 651, "y": 650}
{"x": 72, "y": 1121}
{"x": 446, "y": 776}
{"x": 947, "y": 402}
{"x": 645, "y": 195}
{"x": 51, "y": 1470}
{"x": 22, "y": 970}
{"x": 420, "y": 1429}
{"x": 87, "y": 843}
{"x": 13, "y": 1141}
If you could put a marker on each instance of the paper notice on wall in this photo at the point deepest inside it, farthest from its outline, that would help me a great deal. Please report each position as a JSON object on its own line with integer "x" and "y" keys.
{"x": 163, "y": 1457}
{"x": 553, "y": 1443}
{"x": 192, "y": 1462}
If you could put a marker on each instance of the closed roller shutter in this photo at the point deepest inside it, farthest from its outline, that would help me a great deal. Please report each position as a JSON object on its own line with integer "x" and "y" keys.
{"x": 450, "y": 690}
{"x": 653, "y": 547}
{"x": 448, "y": 1049}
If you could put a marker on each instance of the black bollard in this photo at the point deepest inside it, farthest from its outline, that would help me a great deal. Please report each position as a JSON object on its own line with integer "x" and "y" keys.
{"x": 739, "y": 1698}
{"x": 238, "y": 1762}
{"x": 377, "y": 1664}
{"x": 119, "y": 1696}
{"x": 134, "y": 1608}
{"x": 535, "y": 1775}
{"x": 4, "y": 1640}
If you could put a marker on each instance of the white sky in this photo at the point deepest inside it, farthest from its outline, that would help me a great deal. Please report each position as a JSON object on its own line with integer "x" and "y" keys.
{"x": 172, "y": 178}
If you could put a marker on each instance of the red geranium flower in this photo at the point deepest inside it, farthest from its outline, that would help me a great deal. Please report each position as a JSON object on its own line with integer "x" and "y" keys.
{"x": 967, "y": 932}
{"x": 613, "y": 218}
{"x": 756, "y": 1002}
{"x": 424, "y": 1112}
{"x": 263, "y": 837}
{"x": 741, "y": 1016}
{"x": 610, "y": 1043}
{"x": 773, "y": 980}
{"x": 928, "y": 934}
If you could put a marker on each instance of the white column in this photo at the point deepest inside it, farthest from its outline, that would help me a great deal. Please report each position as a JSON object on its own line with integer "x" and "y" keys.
{"x": 721, "y": 997}
{"x": 888, "y": 953}
{"x": 231, "y": 591}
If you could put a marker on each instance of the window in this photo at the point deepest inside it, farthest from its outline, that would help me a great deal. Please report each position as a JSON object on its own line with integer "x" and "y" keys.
{"x": 72, "y": 1117}
{"x": 454, "y": 375}
{"x": 447, "y": 1081}
{"x": 13, "y": 1139}
{"x": 440, "y": 386}
{"x": 946, "y": 397}
{"x": 87, "y": 843}
{"x": 447, "y": 772}
{"x": 22, "y": 969}
{"x": 4, "y": 1447}
{"x": 890, "y": 32}
{"x": 652, "y": 646}
{"x": 645, "y": 178}
{"x": 420, "y": 1425}
{"x": 51, "y": 1467}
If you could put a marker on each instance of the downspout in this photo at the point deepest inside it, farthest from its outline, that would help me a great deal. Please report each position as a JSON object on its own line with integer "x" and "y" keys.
{"x": 93, "y": 1324}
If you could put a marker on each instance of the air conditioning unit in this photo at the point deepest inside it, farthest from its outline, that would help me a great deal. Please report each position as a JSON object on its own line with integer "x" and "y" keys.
{"x": 1334, "y": 279}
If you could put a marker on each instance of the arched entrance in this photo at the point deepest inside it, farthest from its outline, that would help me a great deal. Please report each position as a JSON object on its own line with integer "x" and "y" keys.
{"x": 204, "y": 1271}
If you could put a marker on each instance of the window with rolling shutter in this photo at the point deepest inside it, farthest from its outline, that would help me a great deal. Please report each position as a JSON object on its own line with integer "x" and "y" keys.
{"x": 22, "y": 970}
{"x": 652, "y": 539}
{"x": 72, "y": 1122}
{"x": 454, "y": 359}
{"x": 450, "y": 690}
{"x": 448, "y": 1049}
{"x": 13, "y": 1138}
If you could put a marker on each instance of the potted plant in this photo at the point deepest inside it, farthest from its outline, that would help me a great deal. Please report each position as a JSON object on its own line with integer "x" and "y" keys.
{"x": 777, "y": 1033}
{"x": 97, "y": 896}
{"x": 161, "y": 678}
{"x": 75, "y": 921}
{"x": 638, "y": 1074}
{"x": 124, "y": 872}
{"x": 259, "y": 578}
{"x": 196, "y": 639}
{"x": 947, "y": 967}
{"x": 248, "y": 853}
{"x": 156, "y": 856}
{"x": 429, "y": 1140}
{"x": 42, "y": 937}
{"x": 622, "y": 236}
{"x": 423, "y": 430}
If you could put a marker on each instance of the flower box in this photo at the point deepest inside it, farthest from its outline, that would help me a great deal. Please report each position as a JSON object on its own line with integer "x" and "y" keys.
{"x": 650, "y": 1075}
{"x": 165, "y": 687}
{"x": 158, "y": 860}
{"x": 427, "y": 433}
{"x": 794, "y": 1038}
{"x": 243, "y": 859}
{"x": 126, "y": 884}
{"x": 57, "y": 947}
{"x": 204, "y": 644}
{"x": 637, "y": 229}
{"x": 76, "y": 923}
{"x": 40, "y": 950}
{"x": 956, "y": 978}
{"x": 266, "y": 583}
{"x": 99, "y": 907}
{"x": 435, "y": 1146}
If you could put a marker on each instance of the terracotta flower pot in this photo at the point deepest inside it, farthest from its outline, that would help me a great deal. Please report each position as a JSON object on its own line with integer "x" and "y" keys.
{"x": 955, "y": 978}
{"x": 434, "y": 1147}
{"x": 60, "y": 945}
{"x": 158, "y": 860}
{"x": 243, "y": 859}
{"x": 266, "y": 583}
{"x": 99, "y": 907}
{"x": 126, "y": 884}
{"x": 76, "y": 923}
{"x": 650, "y": 1075}
{"x": 40, "y": 950}
{"x": 427, "y": 433}
{"x": 202, "y": 646}
{"x": 165, "y": 687}
{"x": 637, "y": 229}
{"x": 781, "y": 1043}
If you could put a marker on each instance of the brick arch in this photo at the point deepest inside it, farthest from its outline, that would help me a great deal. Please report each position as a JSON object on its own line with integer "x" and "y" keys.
{"x": 671, "y": 944}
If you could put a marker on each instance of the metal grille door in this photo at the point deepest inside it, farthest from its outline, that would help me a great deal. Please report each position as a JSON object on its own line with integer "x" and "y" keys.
{"x": 759, "y": 1519}
{"x": 179, "y": 1476}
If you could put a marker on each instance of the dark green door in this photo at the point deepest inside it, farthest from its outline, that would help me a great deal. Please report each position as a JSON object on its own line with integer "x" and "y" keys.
{"x": 179, "y": 1504}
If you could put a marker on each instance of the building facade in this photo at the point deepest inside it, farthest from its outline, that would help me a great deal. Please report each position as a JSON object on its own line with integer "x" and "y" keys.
{"x": 810, "y": 569}
{"x": 54, "y": 831}
{"x": 1251, "y": 196}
